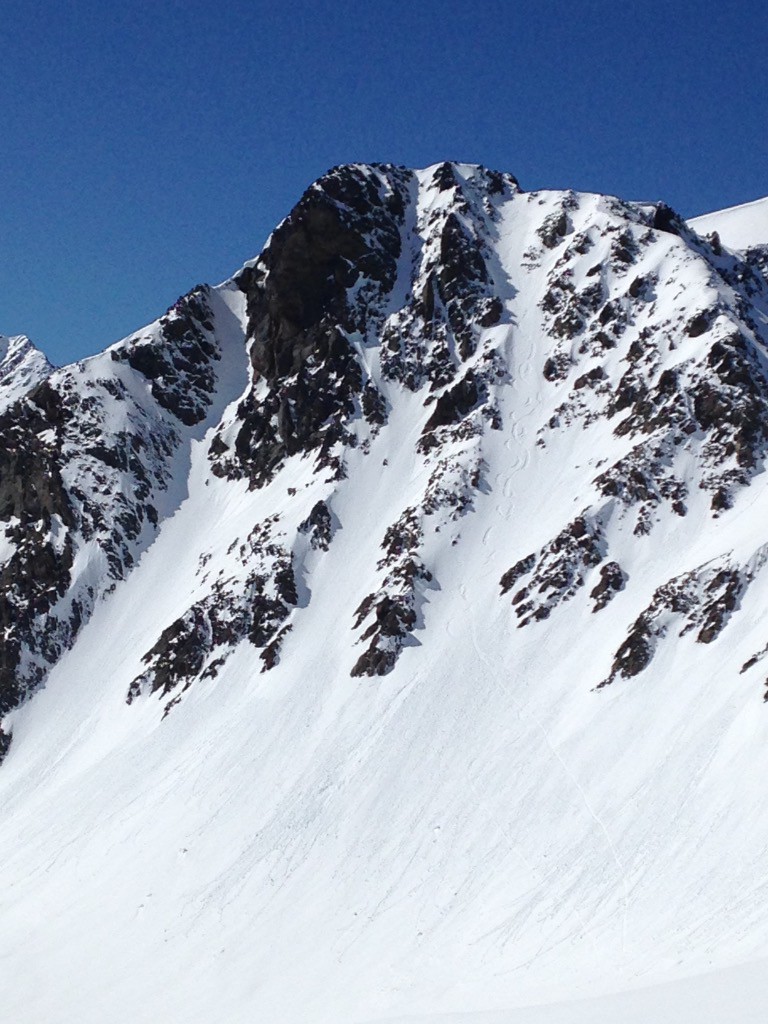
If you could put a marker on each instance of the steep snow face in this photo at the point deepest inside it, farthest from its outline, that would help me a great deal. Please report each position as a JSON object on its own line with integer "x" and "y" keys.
{"x": 739, "y": 227}
{"x": 400, "y": 604}
{"x": 21, "y": 367}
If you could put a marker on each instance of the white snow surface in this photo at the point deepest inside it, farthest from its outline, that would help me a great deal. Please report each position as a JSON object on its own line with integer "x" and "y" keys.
{"x": 479, "y": 837}
{"x": 739, "y": 227}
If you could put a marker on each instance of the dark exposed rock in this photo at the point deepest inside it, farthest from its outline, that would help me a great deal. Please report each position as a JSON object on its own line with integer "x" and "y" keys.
{"x": 86, "y": 459}
{"x": 699, "y": 324}
{"x": 5, "y": 744}
{"x": 454, "y": 404}
{"x": 590, "y": 378}
{"x": 492, "y": 314}
{"x": 319, "y": 526}
{"x": 393, "y": 615}
{"x": 624, "y": 250}
{"x": 373, "y": 405}
{"x": 642, "y": 481}
{"x": 754, "y": 659}
{"x": 43, "y": 521}
{"x": 452, "y": 486}
{"x": 270, "y": 656}
{"x": 557, "y": 367}
{"x": 518, "y": 570}
{"x": 567, "y": 324}
{"x": 635, "y": 653}
{"x": 180, "y": 364}
{"x": 666, "y": 219}
{"x": 554, "y": 229}
{"x": 454, "y": 296}
{"x": 392, "y": 611}
{"x": 640, "y": 287}
{"x": 612, "y": 580}
{"x": 460, "y": 260}
{"x": 722, "y": 595}
{"x": 342, "y": 231}
{"x": 254, "y": 607}
{"x": 610, "y": 311}
{"x": 462, "y": 279}
{"x": 445, "y": 177}
{"x": 179, "y": 652}
{"x": 557, "y": 572}
{"x": 703, "y": 599}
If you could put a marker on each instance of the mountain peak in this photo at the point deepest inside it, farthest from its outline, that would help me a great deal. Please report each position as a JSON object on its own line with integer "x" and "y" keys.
{"x": 22, "y": 365}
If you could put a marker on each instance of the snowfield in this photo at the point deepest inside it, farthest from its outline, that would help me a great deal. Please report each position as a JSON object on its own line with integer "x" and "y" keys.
{"x": 470, "y": 829}
{"x": 739, "y": 227}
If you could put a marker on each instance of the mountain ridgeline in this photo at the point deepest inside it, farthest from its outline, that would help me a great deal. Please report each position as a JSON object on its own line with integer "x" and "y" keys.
{"x": 487, "y": 329}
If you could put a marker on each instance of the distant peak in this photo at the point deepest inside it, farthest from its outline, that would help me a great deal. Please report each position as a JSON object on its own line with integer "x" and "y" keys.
{"x": 22, "y": 365}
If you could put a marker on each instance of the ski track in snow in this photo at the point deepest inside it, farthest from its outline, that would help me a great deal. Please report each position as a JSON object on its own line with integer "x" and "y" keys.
{"x": 524, "y": 714}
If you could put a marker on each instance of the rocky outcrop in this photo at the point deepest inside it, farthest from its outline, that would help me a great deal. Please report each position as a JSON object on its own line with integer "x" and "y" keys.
{"x": 700, "y": 601}
{"x": 557, "y": 572}
{"x": 319, "y": 526}
{"x": 343, "y": 239}
{"x": 87, "y": 457}
{"x": 252, "y": 605}
{"x": 179, "y": 360}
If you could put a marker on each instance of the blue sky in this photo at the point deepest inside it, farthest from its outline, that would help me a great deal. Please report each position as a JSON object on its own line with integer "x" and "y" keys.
{"x": 153, "y": 145}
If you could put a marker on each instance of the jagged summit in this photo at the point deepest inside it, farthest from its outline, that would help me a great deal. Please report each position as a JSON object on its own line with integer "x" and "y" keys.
{"x": 384, "y": 625}
{"x": 21, "y": 367}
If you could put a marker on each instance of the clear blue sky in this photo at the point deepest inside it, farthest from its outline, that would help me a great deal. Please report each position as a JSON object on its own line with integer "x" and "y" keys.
{"x": 148, "y": 146}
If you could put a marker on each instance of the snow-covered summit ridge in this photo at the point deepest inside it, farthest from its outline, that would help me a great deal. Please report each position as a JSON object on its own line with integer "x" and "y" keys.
{"x": 399, "y": 607}
{"x": 739, "y": 227}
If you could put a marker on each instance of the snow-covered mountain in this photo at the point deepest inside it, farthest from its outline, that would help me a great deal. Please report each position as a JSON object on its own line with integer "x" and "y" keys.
{"x": 21, "y": 367}
{"x": 384, "y": 626}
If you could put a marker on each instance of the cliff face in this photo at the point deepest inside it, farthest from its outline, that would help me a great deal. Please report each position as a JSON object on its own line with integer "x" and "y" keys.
{"x": 438, "y": 532}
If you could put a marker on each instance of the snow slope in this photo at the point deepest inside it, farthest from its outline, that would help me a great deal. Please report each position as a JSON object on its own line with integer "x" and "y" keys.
{"x": 739, "y": 227}
{"x": 433, "y": 689}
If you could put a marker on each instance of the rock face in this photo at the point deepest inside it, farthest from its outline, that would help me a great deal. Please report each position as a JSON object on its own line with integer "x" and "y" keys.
{"x": 85, "y": 469}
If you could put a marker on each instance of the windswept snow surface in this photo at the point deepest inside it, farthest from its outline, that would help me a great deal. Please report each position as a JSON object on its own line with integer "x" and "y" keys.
{"x": 739, "y": 227}
{"x": 738, "y": 994}
{"x": 479, "y": 836}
